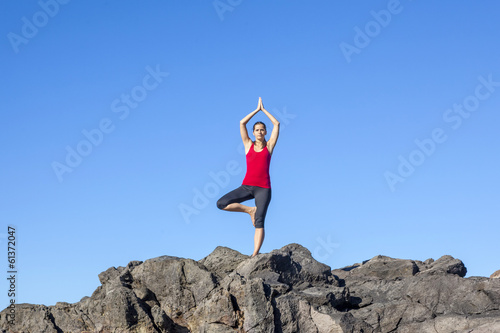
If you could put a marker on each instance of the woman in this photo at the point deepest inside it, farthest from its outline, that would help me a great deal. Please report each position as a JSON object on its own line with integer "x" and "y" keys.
{"x": 257, "y": 183}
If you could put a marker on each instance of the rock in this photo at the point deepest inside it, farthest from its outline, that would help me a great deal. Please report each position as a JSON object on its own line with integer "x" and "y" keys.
{"x": 380, "y": 267}
{"x": 176, "y": 285}
{"x": 495, "y": 275}
{"x": 285, "y": 290}
{"x": 34, "y": 318}
{"x": 222, "y": 261}
{"x": 292, "y": 265}
{"x": 259, "y": 314}
{"x": 438, "y": 296}
{"x": 446, "y": 265}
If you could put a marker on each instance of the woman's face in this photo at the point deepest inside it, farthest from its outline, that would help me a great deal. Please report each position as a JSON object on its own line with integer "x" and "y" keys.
{"x": 259, "y": 132}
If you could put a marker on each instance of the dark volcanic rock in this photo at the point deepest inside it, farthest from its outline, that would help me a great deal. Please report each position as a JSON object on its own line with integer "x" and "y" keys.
{"x": 380, "y": 267}
{"x": 395, "y": 295}
{"x": 223, "y": 261}
{"x": 285, "y": 290}
{"x": 292, "y": 265}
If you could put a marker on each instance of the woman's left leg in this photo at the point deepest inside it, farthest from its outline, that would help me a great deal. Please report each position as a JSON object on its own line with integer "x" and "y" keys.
{"x": 262, "y": 200}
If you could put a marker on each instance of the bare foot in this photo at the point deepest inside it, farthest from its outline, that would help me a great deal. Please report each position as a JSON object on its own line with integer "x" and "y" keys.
{"x": 252, "y": 214}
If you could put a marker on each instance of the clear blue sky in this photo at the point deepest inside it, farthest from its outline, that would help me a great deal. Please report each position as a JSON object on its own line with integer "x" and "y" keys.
{"x": 115, "y": 114}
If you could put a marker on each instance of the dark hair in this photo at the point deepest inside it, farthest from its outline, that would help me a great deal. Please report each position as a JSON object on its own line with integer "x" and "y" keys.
{"x": 257, "y": 123}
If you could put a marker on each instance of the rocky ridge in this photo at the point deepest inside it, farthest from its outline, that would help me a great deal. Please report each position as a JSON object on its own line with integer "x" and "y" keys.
{"x": 285, "y": 290}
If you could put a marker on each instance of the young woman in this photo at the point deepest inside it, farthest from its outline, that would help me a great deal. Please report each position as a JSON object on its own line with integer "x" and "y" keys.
{"x": 257, "y": 183}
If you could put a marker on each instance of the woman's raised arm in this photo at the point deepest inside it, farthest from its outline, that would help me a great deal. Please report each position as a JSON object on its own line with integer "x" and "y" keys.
{"x": 276, "y": 128}
{"x": 243, "y": 127}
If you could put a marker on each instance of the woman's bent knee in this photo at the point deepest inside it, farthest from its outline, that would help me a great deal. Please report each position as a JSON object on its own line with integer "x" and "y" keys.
{"x": 221, "y": 204}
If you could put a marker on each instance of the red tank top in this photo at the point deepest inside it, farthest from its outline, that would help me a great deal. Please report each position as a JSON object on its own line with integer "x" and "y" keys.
{"x": 258, "y": 168}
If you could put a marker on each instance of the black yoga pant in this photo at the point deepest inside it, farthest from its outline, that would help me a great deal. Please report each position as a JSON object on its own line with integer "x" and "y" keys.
{"x": 245, "y": 192}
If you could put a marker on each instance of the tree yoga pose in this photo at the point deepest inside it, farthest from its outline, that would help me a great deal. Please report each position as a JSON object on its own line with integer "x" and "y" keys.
{"x": 257, "y": 183}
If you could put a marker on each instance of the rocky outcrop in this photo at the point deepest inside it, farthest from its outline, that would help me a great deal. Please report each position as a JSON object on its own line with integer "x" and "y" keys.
{"x": 394, "y": 295}
{"x": 285, "y": 290}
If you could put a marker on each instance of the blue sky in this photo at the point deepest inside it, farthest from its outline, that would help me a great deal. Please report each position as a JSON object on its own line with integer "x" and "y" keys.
{"x": 121, "y": 130}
